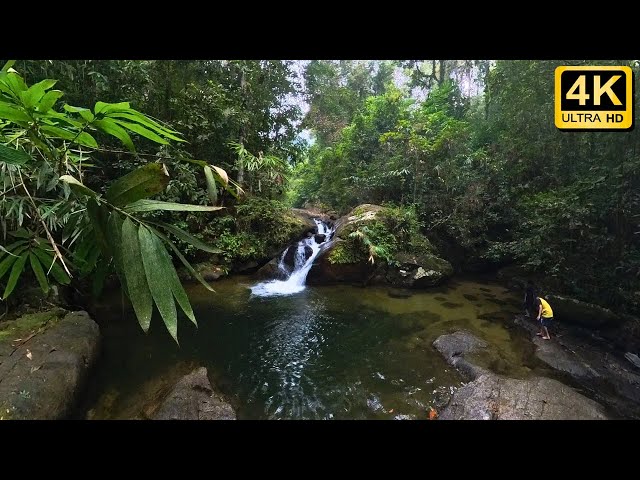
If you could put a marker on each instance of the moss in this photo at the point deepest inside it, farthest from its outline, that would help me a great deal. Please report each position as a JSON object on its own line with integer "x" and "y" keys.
{"x": 346, "y": 252}
{"x": 29, "y": 323}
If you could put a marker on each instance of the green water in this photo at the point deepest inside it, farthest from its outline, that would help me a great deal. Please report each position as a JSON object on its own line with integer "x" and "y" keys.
{"x": 332, "y": 352}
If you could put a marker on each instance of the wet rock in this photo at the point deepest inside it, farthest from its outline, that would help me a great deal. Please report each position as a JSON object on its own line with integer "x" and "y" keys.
{"x": 491, "y": 396}
{"x": 193, "y": 398}
{"x": 271, "y": 270}
{"x": 45, "y": 358}
{"x": 633, "y": 358}
{"x": 419, "y": 270}
{"x": 320, "y": 237}
{"x": 569, "y": 310}
{"x": 210, "y": 272}
{"x": 248, "y": 267}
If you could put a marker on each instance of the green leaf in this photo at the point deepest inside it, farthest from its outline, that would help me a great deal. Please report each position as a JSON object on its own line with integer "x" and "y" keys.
{"x": 134, "y": 127}
{"x": 184, "y": 261}
{"x": 5, "y": 265}
{"x": 9, "y": 248}
{"x": 87, "y": 115}
{"x": 45, "y": 84}
{"x": 102, "y": 107}
{"x": 158, "y": 274}
{"x": 35, "y": 92}
{"x": 16, "y": 83}
{"x": 7, "y": 65}
{"x": 99, "y": 217}
{"x": 174, "y": 281}
{"x": 58, "y": 132}
{"x": 49, "y": 100}
{"x": 114, "y": 229}
{"x": 134, "y": 270}
{"x": 37, "y": 270}
{"x": 7, "y": 112}
{"x": 56, "y": 271}
{"x": 147, "y": 122}
{"x": 78, "y": 186}
{"x": 212, "y": 189}
{"x": 16, "y": 271}
{"x": 186, "y": 237}
{"x": 72, "y": 109}
{"x": 13, "y": 156}
{"x": 141, "y": 183}
{"x": 152, "y": 205}
{"x": 87, "y": 140}
{"x": 111, "y": 128}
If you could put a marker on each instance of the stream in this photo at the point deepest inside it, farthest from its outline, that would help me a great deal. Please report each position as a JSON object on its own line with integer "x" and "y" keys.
{"x": 329, "y": 352}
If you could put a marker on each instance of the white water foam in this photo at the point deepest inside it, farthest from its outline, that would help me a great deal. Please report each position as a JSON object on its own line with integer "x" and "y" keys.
{"x": 296, "y": 281}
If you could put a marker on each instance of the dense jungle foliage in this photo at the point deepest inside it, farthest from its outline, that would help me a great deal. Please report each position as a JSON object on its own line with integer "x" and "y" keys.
{"x": 467, "y": 150}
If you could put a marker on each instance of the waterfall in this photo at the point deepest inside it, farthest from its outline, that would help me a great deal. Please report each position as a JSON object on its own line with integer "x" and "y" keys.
{"x": 301, "y": 264}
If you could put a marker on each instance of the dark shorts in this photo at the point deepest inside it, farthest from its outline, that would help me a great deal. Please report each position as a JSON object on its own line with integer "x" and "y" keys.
{"x": 546, "y": 321}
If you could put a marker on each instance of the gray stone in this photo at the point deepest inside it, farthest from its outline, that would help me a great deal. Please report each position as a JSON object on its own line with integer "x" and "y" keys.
{"x": 569, "y": 310}
{"x": 43, "y": 373}
{"x": 193, "y": 398}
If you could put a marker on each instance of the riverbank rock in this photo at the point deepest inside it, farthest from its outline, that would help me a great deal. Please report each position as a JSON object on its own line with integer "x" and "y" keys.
{"x": 590, "y": 362}
{"x": 209, "y": 271}
{"x": 45, "y": 358}
{"x": 567, "y": 309}
{"x": 494, "y": 397}
{"x": 193, "y": 398}
{"x": 347, "y": 258}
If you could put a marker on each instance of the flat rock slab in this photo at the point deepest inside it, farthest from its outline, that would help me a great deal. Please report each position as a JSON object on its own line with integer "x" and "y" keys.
{"x": 45, "y": 371}
{"x": 193, "y": 398}
{"x": 493, "y": 397}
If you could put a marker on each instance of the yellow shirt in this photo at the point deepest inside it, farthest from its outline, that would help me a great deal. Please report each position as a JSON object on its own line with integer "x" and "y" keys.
{"x": 546, "y": 308}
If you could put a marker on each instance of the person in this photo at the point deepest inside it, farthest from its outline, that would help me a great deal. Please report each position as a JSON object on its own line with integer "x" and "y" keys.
{"x": 545, "y": 317}
{"x": 529, "y": 302}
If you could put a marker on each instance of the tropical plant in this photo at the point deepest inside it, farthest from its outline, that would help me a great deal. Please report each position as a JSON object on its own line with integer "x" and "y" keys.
{"x": 45, "y": 173}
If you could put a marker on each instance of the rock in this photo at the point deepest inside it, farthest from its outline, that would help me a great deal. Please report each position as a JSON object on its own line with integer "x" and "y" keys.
{"x": 246, "y": 268}
{"x": 210, "y": 272}
{"x": 491, "y": 396}
{"x": 419, "y": 270}
{"x": 45, "y": 374}
{"x": 306, "y": 216}
{"x": 193, "y": 398}
{"x": 271, "y": 270}
{"x": 345, "y": 259}
{"x": 320, "y": 237}
{"x": 568, "y": 310}
{"x": 633, "y": 358}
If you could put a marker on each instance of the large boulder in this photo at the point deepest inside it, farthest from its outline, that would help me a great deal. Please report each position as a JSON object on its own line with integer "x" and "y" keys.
{"x": 193, "y": 398}
{"x": 495, "y": 397}
{"x": 569, "y": 310}
{"x": 413, "y": 264}
{"x": 209, "y": 271}
{"x": 45, "y": 359}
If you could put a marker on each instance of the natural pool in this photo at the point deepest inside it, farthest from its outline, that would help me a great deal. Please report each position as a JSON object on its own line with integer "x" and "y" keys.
{"x": 330, "y": 352}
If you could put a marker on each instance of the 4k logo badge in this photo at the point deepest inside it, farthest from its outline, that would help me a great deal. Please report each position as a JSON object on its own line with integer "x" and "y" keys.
{"x": 594, "y": 98}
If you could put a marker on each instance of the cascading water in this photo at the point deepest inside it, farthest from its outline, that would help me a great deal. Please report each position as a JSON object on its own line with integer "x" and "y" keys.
{"x": 301, "y": 264}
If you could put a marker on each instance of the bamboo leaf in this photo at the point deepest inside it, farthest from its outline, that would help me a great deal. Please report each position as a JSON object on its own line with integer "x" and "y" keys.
{"x": 138, "y": 184}
{"x": 145, "y": 121}
{"x": 139, "y": 129}
{"x": 39, "y": 273}
{"x": 6, "y": 264}
{"x": 184, "y": 261}
{"x": 86, "y": 140}
{"x": 99, "y": 217}
{"x": 102, "y": 107}
{"x": 212, "y": 189}
{"x": 78, "y": 186}
{"x": 13, "y": 156}
{"x": 114, "y": 229}
{"x": 152, "y": 205}
{"x": 134, "y": 270}
{"x": 186, "y": 237}
{"x": 172, "y": 276}
{"x": 111, "y": 128}
{"x": 16, "y": 271}
{"x": 58, "y": 132}
{"x": 52, "y": 267}
{"x": 157, "y": 272}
